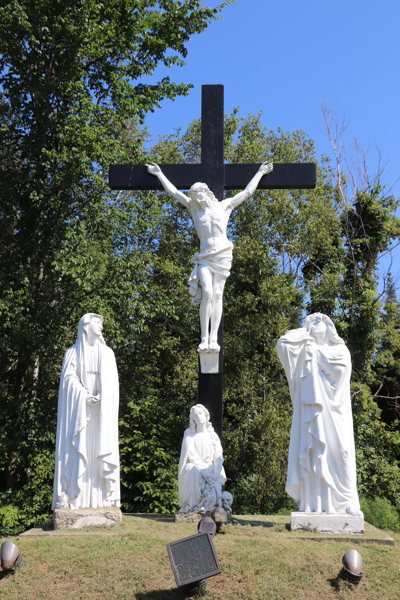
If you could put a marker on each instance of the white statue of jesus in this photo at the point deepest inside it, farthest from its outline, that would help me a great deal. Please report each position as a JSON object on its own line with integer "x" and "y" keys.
{"x": 213, "y": 262}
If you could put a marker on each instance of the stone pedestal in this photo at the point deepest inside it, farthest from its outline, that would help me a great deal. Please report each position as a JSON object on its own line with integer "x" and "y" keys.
{"x": 327, "y": 522}
{"x": 209, "y": 362}
{"x": 65, "y": 518}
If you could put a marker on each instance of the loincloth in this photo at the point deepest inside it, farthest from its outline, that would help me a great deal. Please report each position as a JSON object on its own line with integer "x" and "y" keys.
{"x": 219, "y": 262}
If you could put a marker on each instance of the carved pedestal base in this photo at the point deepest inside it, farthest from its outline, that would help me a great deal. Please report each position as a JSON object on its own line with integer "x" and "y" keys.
{"x": 209, "y": 362}
{"x": 75, "y": 519}
{"x": 327, "y": 522}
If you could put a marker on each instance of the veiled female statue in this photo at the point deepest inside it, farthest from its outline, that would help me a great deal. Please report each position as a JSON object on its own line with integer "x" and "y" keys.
{"x": 87, "y": 454}
{"x": 322, "y": 466}
{"x": 201, "y": 471}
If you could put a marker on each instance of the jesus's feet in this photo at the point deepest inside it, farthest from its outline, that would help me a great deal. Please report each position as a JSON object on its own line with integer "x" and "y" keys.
{"x": 214, "y": 346}
{"x": 203, "y": 346}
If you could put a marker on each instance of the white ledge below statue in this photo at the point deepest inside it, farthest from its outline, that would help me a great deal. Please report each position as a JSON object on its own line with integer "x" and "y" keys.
{"x": 327, "y": 522}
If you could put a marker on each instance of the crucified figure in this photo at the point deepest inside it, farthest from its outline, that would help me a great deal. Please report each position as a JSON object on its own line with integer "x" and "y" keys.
{"x": 213, "y": 262}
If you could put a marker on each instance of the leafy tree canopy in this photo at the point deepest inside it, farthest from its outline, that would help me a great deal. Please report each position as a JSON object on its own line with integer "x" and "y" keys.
{"x": 71, "y": 101}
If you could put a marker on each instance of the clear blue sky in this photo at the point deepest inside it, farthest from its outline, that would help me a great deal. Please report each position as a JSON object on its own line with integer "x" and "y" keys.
{"x": 285, "y": 57}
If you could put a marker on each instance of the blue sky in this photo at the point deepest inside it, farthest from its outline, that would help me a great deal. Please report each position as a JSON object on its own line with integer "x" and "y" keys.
{"x": 285, "y": 57}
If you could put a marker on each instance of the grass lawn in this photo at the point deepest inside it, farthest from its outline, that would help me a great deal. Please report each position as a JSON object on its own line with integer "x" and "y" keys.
{"x": 259, "y": 557}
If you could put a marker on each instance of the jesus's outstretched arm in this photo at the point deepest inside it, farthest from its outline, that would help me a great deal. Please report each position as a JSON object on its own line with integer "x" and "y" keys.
{"x": 251, "y": 187}
{"x": 168, "y": 186}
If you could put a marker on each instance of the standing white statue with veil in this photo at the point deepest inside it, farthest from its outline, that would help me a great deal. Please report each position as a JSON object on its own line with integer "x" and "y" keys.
{"x": 87, "y": 454}
{"x": 201, "y": 471}
{"x": 322, "y": 467}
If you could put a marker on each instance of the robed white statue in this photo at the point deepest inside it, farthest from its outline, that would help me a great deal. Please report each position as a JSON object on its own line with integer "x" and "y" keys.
{"x": 87, "y": 454}
{"x": 201, "y": 471}
{"x": 322, "y": 466}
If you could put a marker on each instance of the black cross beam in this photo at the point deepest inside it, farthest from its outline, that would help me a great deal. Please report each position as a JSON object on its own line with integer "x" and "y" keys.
{"x": 219, "y": 177}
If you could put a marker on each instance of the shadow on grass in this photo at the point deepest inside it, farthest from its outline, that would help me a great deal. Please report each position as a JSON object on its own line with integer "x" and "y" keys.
{"x": 342, "y": 581}
{"x": 335, "y": 581}
{"x": 152, "y": 517}
{"x": 190, "y": 591}
{"x": 255, "y": 523}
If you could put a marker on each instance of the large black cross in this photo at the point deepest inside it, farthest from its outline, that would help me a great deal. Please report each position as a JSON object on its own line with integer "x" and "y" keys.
{"x": 219, "y": 177}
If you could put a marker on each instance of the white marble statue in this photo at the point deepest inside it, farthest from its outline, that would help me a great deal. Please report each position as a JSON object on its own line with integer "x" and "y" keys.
{"x": 213, "y": 262}
{"x": 322, "y": 467}
{"x": 87, "y": 454}
{"x": 201, "y": 471}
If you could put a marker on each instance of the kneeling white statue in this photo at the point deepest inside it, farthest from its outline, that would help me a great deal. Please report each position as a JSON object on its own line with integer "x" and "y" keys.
{"x": 322, "y": 467}
{"x": 201, "y": 471}
{"x": 87, "y": 454}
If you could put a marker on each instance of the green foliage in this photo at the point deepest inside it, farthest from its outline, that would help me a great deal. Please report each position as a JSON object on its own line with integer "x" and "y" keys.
{"x": 377, "y": 448}
{"x": 23, "y": 508}
{"x": 380, "y": 513}
{"x": 387, "y": 361}
{"x": 72, "y": 95}
{"x": 11, "y": 521}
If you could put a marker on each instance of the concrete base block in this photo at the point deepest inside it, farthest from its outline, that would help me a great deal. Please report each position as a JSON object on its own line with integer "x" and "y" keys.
{"x": 65, "y": 518}
{"x": 327, "y": 522}
{"x": 209, "y": 362}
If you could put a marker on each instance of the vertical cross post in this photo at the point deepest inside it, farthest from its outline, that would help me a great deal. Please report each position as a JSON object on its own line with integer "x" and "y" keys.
{"x": 213, "y": 174}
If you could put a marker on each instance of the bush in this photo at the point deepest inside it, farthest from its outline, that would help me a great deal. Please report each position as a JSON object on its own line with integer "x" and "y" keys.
{"x": 10, "y": 521}
{"x": 380, "y": 513}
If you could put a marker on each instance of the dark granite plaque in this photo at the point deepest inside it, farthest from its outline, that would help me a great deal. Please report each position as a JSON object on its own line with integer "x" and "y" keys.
{"x": 193, "y": 558}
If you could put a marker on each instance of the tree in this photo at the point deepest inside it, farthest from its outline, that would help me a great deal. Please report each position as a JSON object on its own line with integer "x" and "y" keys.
{"x": 387, "y": 361}
{"x": 72, "y": 96}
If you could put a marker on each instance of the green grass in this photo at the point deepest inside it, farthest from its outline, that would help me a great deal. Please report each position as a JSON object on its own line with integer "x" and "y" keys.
{"x": 259, "y": 557}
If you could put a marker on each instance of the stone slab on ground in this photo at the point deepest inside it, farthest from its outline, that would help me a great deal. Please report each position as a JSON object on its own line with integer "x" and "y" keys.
{"x": 191, "y": 517}
{"x": 195, "y": 517}
{"x": 327, "y": 523}
{"x": 65, "y": 518}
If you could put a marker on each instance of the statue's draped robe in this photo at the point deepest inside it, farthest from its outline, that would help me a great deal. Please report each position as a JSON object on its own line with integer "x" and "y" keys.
{"x": 321, "y": 453}
{"x": 218, "y": 261}
{"x": 199, "y": 453}
{"x": 87, "y": 454}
